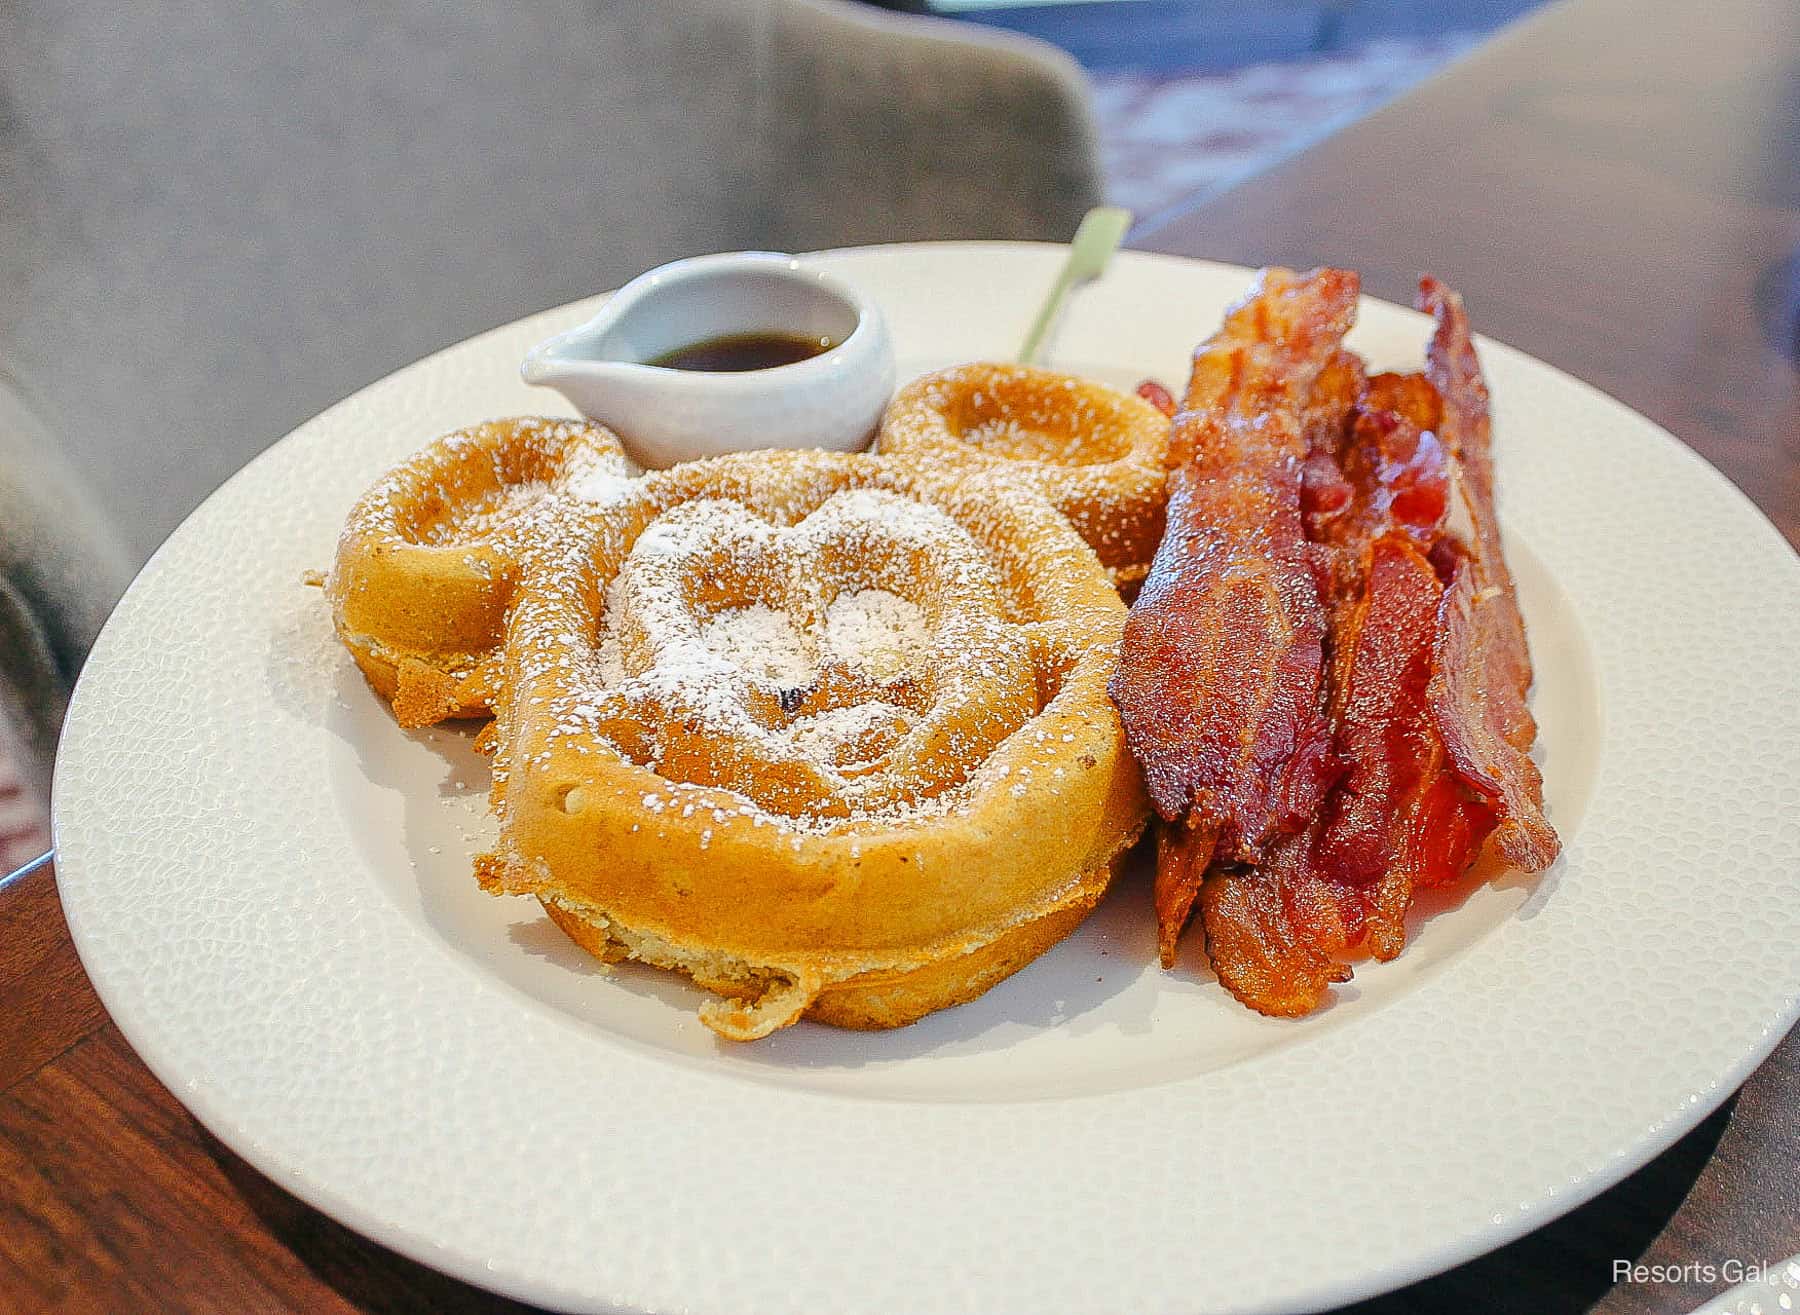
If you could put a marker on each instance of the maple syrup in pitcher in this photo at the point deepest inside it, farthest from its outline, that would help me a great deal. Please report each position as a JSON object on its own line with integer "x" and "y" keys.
{"x": 736, "y": 352}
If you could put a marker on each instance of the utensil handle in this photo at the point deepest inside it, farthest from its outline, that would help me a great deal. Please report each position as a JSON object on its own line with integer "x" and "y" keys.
{"x": 1034, "y": 337}
{"x": 19, "y": 874}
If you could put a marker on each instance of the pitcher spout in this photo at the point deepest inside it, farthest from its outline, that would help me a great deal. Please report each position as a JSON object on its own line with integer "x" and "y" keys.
{"x": 623, "y": 368}
{"x": 559, "y": 359}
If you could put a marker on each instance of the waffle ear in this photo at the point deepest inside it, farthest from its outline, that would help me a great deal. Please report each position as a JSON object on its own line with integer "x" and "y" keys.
{"x": 1096, "y": 453}
{"x": 427, "y": 561}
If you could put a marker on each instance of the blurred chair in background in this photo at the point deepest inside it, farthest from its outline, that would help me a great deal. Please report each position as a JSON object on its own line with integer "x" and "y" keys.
{"x": 216, "y": 219}
{"x": 61, "y": 569}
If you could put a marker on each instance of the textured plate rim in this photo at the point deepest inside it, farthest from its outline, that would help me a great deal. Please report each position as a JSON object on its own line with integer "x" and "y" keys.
{"x": 84, "y": 891}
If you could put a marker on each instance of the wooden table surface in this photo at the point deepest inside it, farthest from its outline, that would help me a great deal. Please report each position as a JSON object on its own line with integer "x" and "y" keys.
{"x": 1616, "y": 188}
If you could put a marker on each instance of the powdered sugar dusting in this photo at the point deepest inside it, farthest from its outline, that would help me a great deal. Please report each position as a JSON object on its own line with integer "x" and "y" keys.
{"x": 761, "y": 641}
{"x": 1097, "y": 454}
{"x": 480, "y": 517}
{"x": 852, "y": 663}
{"x": 875, "y": 631}
{"x": 503, "y": 484}
{"x": 599, "y": 484}
{"x": 849, "y": 738}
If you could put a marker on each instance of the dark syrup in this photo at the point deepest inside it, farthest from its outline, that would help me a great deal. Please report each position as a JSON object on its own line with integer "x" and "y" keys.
{"x": 737, "y": 352}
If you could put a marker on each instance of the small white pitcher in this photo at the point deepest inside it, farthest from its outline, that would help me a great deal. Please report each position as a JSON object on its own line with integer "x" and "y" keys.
{"x": 663, "y": 415}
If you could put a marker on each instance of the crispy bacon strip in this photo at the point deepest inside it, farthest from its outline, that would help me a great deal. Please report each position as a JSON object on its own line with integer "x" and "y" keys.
{"x": 1251, "y": 935}
{"x": 1183, "y": 853}
{"x": 1385, "y": 729}
{"x": 1219, "y": 683}
{"x": 1428, "y": 679}
{"x": 1484, "y": 669}
{"x": 1334, "y": 397}
{"x": 1334, "y": 560}
{"x": 1220, "y": 678}
{"x": 1399, "y": 818}
{"x": 1411, "y": 397}
{"x": 1325, "y": 494}
{"x": 1387, "y": 473}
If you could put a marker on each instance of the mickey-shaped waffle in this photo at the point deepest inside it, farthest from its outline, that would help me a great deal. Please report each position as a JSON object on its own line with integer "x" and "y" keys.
{"x": 829, "y": 734}
{"x": 1097, "y": 454}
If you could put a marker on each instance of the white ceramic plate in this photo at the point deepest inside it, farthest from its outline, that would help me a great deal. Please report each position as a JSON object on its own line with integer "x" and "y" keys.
{"x": 269, "y": 885}
{"x": 1772, "y": 1288}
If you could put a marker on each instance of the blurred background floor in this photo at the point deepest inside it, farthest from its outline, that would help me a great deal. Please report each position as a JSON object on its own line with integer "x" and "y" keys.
{"x": 1168, "y": 138}
{"x": 1195, "y": 95}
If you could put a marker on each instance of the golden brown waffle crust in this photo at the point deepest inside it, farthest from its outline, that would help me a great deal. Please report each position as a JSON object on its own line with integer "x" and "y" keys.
{"x": 423, "y": 611}
{"x": 1097, "y": 454}
{"x": 792, "y": 910}
{"x": 878, "y": 996}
